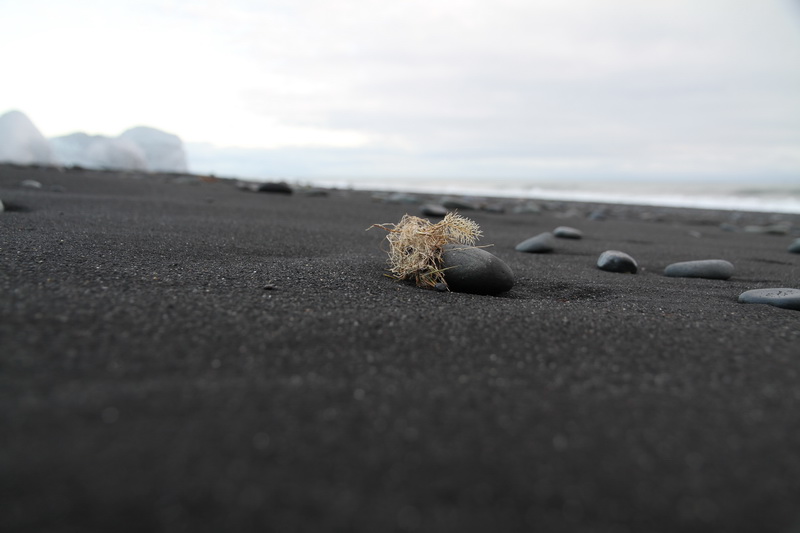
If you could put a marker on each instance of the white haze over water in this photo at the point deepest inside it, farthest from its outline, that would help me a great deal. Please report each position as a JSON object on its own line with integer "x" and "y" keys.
{"x": 768, "y": 198}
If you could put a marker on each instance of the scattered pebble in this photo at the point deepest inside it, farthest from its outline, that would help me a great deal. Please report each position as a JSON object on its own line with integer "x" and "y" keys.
{"x": 402, "y": 198}
{"x": 279, "y": 187}
{"x": 794, "y": 248}
{"x": 30, "y": 184}
{"x": 474, "y": 270}
{"x": 785, "y": 298}
{"x": 616, "y": 261}
{"x": 247, "y": 185}
{"x": 494, "y": 208}
{"x": 707, "y": 268}
{"x": 542, "y": 243}
{"x": 433, "y": 210}
{"x": 598, "y": 214}
{"x": 774, "y": 229}
{"x": 461, "y": 205}
{"x": 565, "y": 232}
{"x": 527, "y": 208}
{"x": 314, "y": 192}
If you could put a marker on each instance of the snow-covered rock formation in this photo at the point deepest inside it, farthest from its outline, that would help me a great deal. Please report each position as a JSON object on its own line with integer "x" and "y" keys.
{"x": 21, "y": 142}
{"x": 98, "y": 151}
{"x": 141, "y": 148}
{"x": 163, "y": 151}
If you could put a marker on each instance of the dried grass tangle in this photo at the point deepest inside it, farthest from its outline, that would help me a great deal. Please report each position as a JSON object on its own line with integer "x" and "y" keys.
{"x": 415, "y": 246}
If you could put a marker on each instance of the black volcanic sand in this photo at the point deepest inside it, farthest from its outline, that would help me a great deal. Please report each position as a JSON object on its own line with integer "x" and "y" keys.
{"x": 182, "y": 355}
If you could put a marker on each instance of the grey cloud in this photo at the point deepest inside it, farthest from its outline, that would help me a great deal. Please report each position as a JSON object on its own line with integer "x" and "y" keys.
{"x": 620, "y": 87}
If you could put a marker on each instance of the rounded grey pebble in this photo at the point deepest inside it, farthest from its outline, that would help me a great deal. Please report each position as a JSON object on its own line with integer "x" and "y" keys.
{"x": 706, "y": 268}
{"x": 783, "y": 297}
{"x": 441, "y": 287}
{"x": 461, "y": 205}
{"x": 433, "y": 210}
{"x": 30, "y": 184}
{"x": 565, "y": 232}
{"x": 275, "y": 187}
{"x": 542, "y": 243}
{"x": 794, "y": 248}
{"x": 616, "y": 261}
{"x": 474, "y": 270}
{"x": 772, "y": 229}
{"x": 527, "y": 207}
{"x": 598, "y": 214}
{"x": 401, "y": 198}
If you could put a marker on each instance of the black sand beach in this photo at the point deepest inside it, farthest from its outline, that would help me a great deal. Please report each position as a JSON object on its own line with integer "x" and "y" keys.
{"x": 182, "y": 355}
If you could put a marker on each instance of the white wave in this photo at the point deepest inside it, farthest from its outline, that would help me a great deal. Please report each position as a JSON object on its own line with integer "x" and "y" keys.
{"x": 778, "y": 199}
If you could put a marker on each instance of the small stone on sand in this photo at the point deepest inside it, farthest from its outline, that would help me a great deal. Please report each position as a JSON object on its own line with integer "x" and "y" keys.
{"x": 401, "y": 198}
{"x": 772, "y": 229}
{"x": 706, "y": 268}
{"x": 783, "y": 297}
{"x": 279, "y": 187}
{"x": 433, "y": 210}
{"x": 474, "y": 270}
{"x": 566, "y": 232}
{"x": 542, "y": 243}
{"x": 461, "y": 205}
{"x": 526, "y": 207}
{"x": 30, "y": 184}
{"x": 616, "y": 261}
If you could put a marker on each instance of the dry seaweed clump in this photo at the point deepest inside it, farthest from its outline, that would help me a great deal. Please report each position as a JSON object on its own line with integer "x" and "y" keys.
{"x": 415, "y": 246}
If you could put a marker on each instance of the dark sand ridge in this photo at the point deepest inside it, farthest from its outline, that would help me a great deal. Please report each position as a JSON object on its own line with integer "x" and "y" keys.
{"x": 150, "y": 382}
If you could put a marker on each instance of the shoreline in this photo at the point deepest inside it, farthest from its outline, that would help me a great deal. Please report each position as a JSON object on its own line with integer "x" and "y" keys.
{"x": 593, "y": 193}
{"x": 710, "y": 196}
{"x": 181, "y": 354}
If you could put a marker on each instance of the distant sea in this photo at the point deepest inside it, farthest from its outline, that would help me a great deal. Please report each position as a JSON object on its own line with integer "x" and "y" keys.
{"x": 735, "y": 196}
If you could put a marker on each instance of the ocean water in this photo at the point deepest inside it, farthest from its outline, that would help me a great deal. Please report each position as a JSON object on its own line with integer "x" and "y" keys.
{"x": 768, "y": 197}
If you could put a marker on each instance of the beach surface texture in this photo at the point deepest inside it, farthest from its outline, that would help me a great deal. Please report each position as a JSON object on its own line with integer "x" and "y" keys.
{"x": 181, "y": 354}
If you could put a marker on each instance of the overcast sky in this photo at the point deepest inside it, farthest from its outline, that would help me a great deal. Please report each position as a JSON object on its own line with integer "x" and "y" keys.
{"x": 537, "y": 89}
